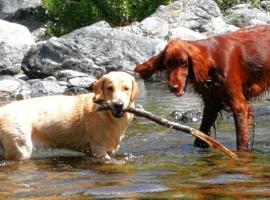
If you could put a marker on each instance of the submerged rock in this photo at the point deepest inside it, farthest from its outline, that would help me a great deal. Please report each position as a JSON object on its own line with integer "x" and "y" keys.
{"x": 125, "y": 191}
{"x": 259, "y": 113}
{"x": 187, "y": 116}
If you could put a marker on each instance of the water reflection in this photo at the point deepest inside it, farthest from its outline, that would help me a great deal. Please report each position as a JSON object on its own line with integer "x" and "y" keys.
{"x": 153, "y": 162}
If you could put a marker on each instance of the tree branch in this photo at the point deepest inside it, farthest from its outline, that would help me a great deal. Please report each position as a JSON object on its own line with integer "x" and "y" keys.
{"x": 174, "y": 125}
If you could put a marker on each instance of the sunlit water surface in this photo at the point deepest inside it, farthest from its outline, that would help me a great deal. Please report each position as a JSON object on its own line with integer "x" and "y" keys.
{"x": 153, "y": 163}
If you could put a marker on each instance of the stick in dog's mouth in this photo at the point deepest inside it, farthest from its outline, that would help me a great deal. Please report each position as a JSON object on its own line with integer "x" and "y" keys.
{"x": 164, "y": 122}
{"x": 117, "y": 113}
{"x": 107, "y": 105}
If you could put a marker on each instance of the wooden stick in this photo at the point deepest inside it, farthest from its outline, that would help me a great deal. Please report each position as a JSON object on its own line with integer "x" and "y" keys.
{"x": 174, "y": 125}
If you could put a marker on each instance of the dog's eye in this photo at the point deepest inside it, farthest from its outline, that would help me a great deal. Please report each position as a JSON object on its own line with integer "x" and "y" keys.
{"x": 126, "y": 88}
{"x": 110, "y": 88}
{"x": 177, "y": 63}
{"x": 183, "y": 63}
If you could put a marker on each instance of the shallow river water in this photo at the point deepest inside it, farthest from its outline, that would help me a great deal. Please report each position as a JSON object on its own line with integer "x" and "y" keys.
{"x": 153, "y": 163}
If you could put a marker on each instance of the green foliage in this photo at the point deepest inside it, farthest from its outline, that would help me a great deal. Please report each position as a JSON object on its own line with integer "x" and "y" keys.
{"x": 226, "y": 4}
{"x": 71, "y": 14}
{"x": 68, "y": 15}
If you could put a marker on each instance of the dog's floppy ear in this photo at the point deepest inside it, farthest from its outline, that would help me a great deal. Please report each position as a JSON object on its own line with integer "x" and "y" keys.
{"x": 98, "y": 88}
{"x": 200, "y": 63}
{"x": 135, "y": 91}
{"x": 148, "y": 68}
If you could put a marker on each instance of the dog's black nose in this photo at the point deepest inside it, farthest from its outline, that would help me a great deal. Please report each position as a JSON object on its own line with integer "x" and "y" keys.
{"x": 118, "y": 105}
{"x": 117, "y": 108}
{"x": 173, "y": 88}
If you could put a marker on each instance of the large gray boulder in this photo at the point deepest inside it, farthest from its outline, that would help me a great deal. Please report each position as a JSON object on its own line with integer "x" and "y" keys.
{"x": 265, "y": 5}
{"x": 246, "y": 15}
{"x": 93, "y": 50}
{"x": 15, "y": 41}
{"x": 202, "y": 16}
{"x": 193, "y": 14}
{"x": 11, "y": 6}
{"x": 151, "y": 27}
{"x": 218, "y": 26}
{"x": 31, "y": 18}
{"x": 184, "y": 33}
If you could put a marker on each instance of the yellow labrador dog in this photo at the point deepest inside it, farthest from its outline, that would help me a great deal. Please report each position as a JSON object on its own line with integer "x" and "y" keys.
{"x": 70, "y": 122}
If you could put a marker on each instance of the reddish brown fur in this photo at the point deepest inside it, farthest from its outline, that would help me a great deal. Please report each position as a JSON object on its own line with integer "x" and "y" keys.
{"x": 226, "y": 70}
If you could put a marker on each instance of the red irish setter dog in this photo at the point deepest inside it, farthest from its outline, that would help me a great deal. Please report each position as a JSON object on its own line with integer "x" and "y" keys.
{"x": 226, "y": 70}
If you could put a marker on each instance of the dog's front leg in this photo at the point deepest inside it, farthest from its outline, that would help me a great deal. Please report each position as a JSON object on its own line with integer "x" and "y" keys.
{"x": 210, "y": 113}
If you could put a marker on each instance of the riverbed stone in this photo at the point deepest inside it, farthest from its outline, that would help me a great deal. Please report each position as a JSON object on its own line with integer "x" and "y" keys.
{"x": 246, "y": 15}
{"x": 11, "y": 88}
{"x": 15, "y": 41}
{"x": 101, "y": 24}
{"x": 21, "y": 76}
{"x": 11, "y": 6}
{"x": 81, "y": 82}
{"x": 75, "y": 79}
{"x": 68, "y": 74}
{"x": 217, "y": 25}
{"x": 151, "y": 27}
{"x": 265, "y": 5}
{"x": 45, "y": 87}
{"x": 200, "y": 16}
{"x": 31, "y": 18}
{"x": 124, "y": 191}
{"x": 187, "y": 116}
{"x": 193, "y": 14}
{"x": 184, "y": 33}
{"x": 91, "y": 50}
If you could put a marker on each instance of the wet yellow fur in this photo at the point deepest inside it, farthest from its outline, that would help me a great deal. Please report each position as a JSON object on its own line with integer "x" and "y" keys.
{"x": 70, "y": 122}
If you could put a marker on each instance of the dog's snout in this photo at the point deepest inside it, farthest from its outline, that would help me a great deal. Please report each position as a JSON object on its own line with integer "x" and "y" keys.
{"x": 117, "y": 108}
{"x": 173, "y": 88}
{"x": 118, "y": 105}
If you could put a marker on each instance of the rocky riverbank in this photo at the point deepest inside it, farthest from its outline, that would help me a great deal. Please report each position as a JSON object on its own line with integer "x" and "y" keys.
{"x": 30, "y": 66}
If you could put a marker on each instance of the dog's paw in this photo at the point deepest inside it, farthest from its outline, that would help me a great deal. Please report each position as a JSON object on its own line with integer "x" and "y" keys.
{"x": 201, "y": 144}
{"x": 101, "y": 156}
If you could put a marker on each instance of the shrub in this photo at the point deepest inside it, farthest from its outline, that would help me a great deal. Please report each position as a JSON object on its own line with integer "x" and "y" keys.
{"x": 226, "y": 4}
{"x": 68, "y": 15}
{"x": 71, "y": 14}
